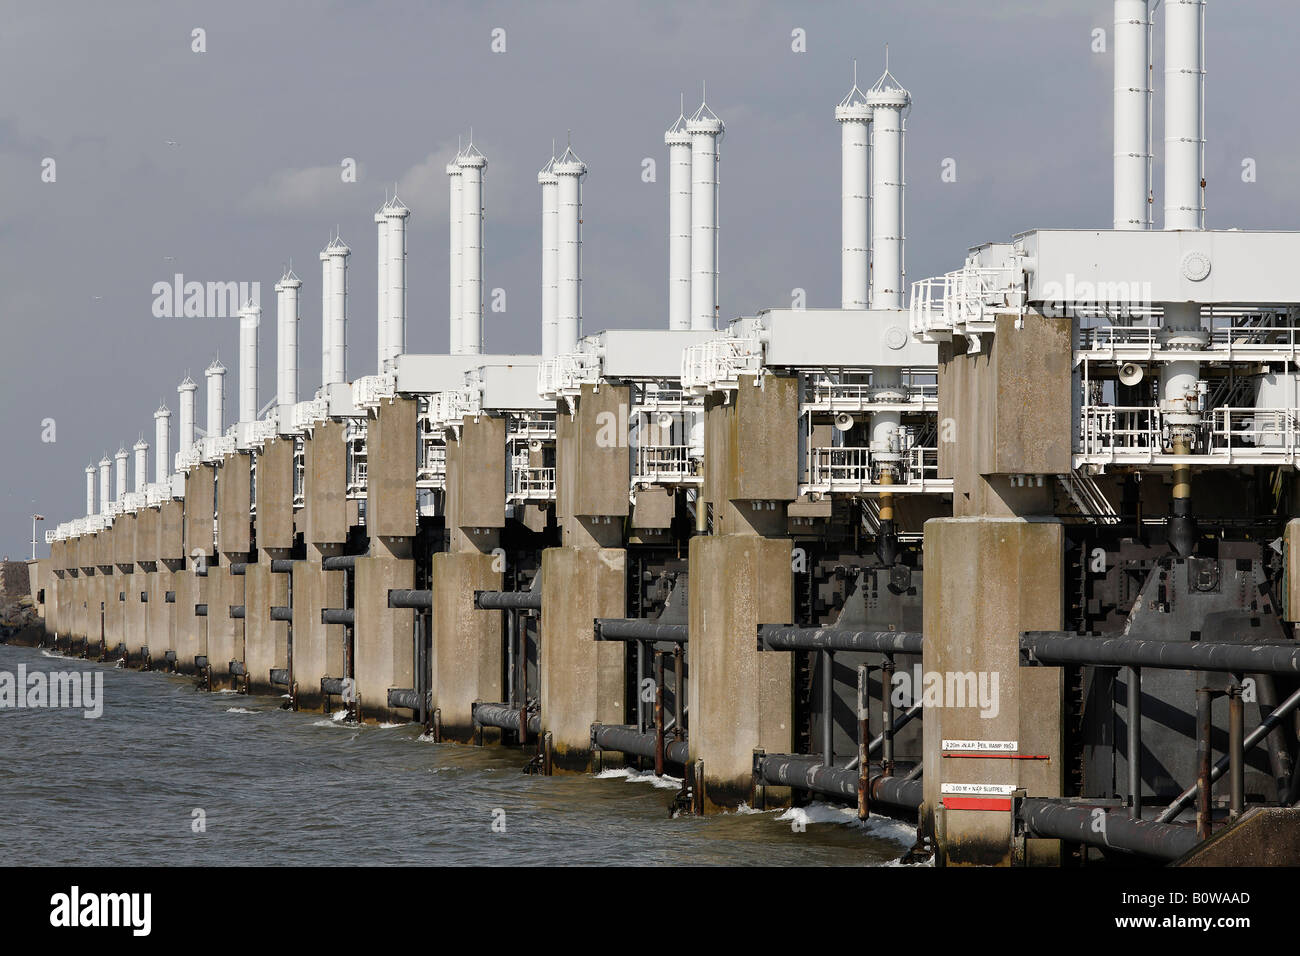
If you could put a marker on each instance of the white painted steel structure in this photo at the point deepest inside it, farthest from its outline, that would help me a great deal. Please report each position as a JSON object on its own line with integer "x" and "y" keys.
{"x": 105, "y": 485}
{"x": 550, "y": 184}
{"x": 90, "y": 490}
{"x": 472, "y": 165}
{"x": 381, "y": 305}
{"x": 888, "y": 101}
{"x": 854, "y": 117}
{"x": 140, "y": 475}
{"x": 705, "y": 129}
{"x": 286, "y": 383}
{"x": 569, "y": 170}
{"x": 1184, "y": 115}
{"x": 1132, "y": 95}
{"x": 678, "y": 140}
{"x": 455, "y": 191}
{"x": 162, "y": 437}
{"x": 250, "y": 320}
{"x": 119, "y": 473}
{"x": 397, "y": 214}
{"x": 334, "y": 337}
{"x": 216, "y": 376}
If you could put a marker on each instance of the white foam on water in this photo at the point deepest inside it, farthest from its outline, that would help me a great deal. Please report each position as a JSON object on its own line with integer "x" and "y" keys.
{"x": 642, "y": 776}
{"x": 885, "y": 828}
{"x": 239, "y": 710}
{"x": 45, "y": 653}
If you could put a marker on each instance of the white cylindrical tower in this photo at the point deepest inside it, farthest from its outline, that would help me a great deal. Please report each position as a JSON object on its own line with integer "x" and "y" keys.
{"x": 678, "y": 141}
{"x": 286, "y": 384}
{"x": 186, "y": 391}
{"x": 569, "y": 170}
{"x": 397, "y": 214}
{"x": 705, "y": 129}
{"x": 550, "y": 184}
{"x": 141, "y": 474}
{"x": 381, "y": 306}
{"x": 888, "y": 100}
{"x": 162, "y": 440}
{"x": 105, "y": 484}
{"x": 338, "y": 313}
{"x": 119, "y": 473}
{"x": 1184, "y": 137}
{"x": 90, "y": 490}
{"x": 1132, "y": 102}
{"x": 216, "y": 375}
{"x": 326, "y": 277}
{"x": 854, "y": 116}
{"x": 250, "y": 319}
{"x": 472, "y": 166}
{"x": 454, "y": 253}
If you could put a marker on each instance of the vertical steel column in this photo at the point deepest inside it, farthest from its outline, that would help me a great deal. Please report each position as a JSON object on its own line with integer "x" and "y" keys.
{"x": 1203, "y": 726}
{"x": 887, "y": 714}
{"x": 1236, "y": 751}
{"x": 659, "y": 713}
{"x": 828, "y": 698}
{"x": 1135, "y": 742}
{"x": 864, "y": 737}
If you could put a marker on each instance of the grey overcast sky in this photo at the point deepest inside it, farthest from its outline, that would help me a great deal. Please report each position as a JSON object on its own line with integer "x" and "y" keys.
{"x": 1012, "y": 90}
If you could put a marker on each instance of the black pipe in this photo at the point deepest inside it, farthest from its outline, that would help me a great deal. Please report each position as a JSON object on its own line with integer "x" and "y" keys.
{"x": 779, "y": 637}
{"x": 1052, "y": 819}
{"x": 237, "y": 567}
{"x": 200, "y": 610}
{"x": 638, "y": 629}
{"x": 169, "y": 597}
{"x": 629, "y": 740}
{"x": 1057, "y": 647}
{"x": 806, "y": 772}
{"x": 144, "y": 597}
{"x": 237, "y": 611}
{"x": 169, "y": 657}
{"x": 340, "y": 562}
{"x": 280, "y": 676}
{"x": 338, "y": 615}
{"x": 237, "y": 669}
{"x": 504, "y": 717}
{"x": 398, "y": 597}
{"x": 200, "y": 661}
{"x": 503, "y": 600}
{"x": 282, "y": 565}
{"x": 281, "y": 613}
{"x": 331, "y": 686}
{"x": 404, "y": 697}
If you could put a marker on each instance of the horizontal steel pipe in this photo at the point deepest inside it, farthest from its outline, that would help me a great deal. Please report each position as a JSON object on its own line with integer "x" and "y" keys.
{"x": 808, "y": 772}
{"x": 338, "y": 615}
{"x": 169, "y": 657}
{"x": 504, "y": 717}
{"x": 1055, "y": 820}
{"x": 332, "y": 686}
{"x": 238, "y": 669}
{"x": 237, "y": 611}
{"x": 504, "y": 600}
{"x": 282, "y": 613}
{"x": 237, "y": 567}
{"x": 280, "y": 676}
{"x": 339, "y": 562}
{"x": 169, "y": 597}
{"x": 1056, "y": 647}
{"x": 403, "y": 697}
{"x": 399, "y": 597}
{"x": 629, "y": 740}
{"x": 200, "y": 610}
{"x": 200, "y": 661}
{"x": 638, "y": 629}
{"x": 779, "y": 637}
{"x": 282, "y": 565}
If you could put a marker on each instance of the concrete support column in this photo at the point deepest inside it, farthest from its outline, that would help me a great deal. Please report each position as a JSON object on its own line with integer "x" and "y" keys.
{"x": 582, "y": 680}
{"x": 317, "y": 647}
{"x": 225, "y": 634}
{"x": 986, "y": 580}
{"x": 266, "y": 642}
{"x": 740, "y": 699}
{"x": 190, "y": 632}
{"x": 383, "y": 634}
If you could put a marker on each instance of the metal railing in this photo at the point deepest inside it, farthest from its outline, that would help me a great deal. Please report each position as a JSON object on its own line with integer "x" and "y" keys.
{"x": 964, "y": 301}
{"x": 718, "y": 363}
{"x": 666, "y": 464}
{"x": 850, "y": 469}
{"x": 532, "y": 484}
{"x": 1228, "y": 434}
